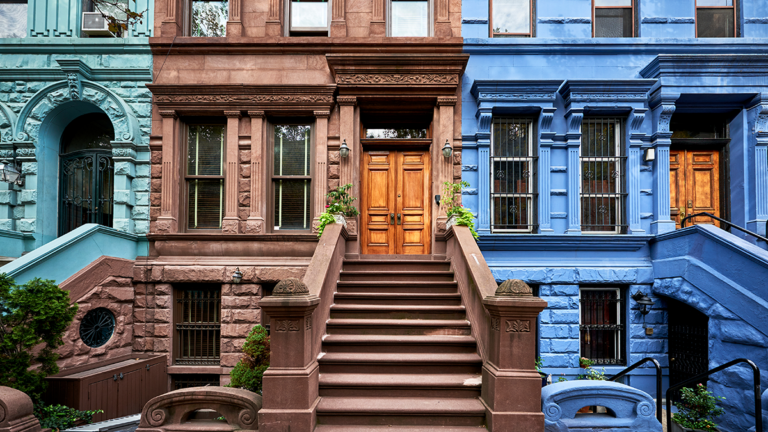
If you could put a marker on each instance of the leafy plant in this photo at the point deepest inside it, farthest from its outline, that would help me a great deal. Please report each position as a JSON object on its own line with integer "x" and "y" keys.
{"x": 464, "y": 217}
{"x": 33, "y": 319}
{"x": 339, "y": 201}
{"x": 119, "y": 14}
{"x": 539, "y": 364}
{"x": 593, "y": 375}
{"x": 698, "y": 408}
{"x": 585, "y": 362}
{"x": 562, "y": 379}
{"x": 60, "y": 417}
{"x": 249, "y": 371}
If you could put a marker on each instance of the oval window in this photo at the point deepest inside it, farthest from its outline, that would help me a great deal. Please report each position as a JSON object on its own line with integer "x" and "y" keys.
{"x": 97, "y": 327}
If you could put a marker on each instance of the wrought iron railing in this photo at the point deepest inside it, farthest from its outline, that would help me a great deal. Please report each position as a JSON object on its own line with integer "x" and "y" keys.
{"x": 710, "y": 215}
{"x": 658, "y": 380}
{"x": 700, "y": 377}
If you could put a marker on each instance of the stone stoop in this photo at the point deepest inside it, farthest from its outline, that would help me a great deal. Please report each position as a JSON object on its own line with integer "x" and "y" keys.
{"x": 399, "y": 354}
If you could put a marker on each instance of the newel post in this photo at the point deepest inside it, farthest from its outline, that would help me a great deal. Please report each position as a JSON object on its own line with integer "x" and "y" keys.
{"x": 290, "y": 386}
{"x": 511, "y": 386}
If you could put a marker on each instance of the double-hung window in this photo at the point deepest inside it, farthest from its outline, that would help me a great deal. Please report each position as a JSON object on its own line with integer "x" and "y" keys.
{"x": 602, "y": 325}
{"x": 205, "y": 176}
{"x": 197, "y": 321}
{"x": 291, "y": 177}
{"x": 207, "y": 18}
{"x": 13, "y": 18}
{"x": 715, "y": 18}
{"x": 602, "y": 176}
{"x": 309, "y": 17}
{"x": 513, "y": 168}
{"x": 409, "y": 18}
{"x": 613, "y": 18}
{"x": 511, "y": 18}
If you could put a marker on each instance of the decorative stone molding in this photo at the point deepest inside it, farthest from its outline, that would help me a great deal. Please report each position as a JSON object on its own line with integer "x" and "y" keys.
{"x": 346, "y": 100}
{"x": 446, "y": 100}
{"x": 518, "y": 326}
{"x": 243, "y": 97}
{"x": 168, "y": 114}
{"x": 290, "y": 287}
{"x": 407, "y": 79}
{"x": 514, "y": 288}
{"x": 323, "y": 114}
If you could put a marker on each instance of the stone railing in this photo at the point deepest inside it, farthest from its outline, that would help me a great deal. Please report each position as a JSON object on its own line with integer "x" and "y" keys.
{"x": 179, "y": 410}
{"x": 503, "y": 320}
{"x": 16, "y": 412}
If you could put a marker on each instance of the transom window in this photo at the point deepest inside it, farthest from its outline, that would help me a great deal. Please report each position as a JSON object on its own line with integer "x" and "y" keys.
{"x": 602, "y": 325}
{"x": 205, "y": 176}
{"x": 197, "y": 319}
{"x": 309, "y": 17}
{"x": 291, "y": 178}
{"x": 602, "y": 176}
{"x": 409, "y": 18}
{"x": 511, "y": 18}
{"x": 512, "y": 175}
{"x": 208, "y": 18}
{"x": 13, "y": 18}
{"x": 715, "y": 18}
{"x": 613, "y": 18}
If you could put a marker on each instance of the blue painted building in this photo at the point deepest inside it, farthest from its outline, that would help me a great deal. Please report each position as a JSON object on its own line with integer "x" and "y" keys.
{"x": 75, "y": 120}
{"x": 590, "y": 129}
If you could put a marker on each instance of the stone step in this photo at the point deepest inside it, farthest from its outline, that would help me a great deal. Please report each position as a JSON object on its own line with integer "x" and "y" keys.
{"x": 401, "y": 312}
{"x": 395, "y": 265}
{"x": 400, "y": 385}
{"x": 400, "y": 363}
{"x": 391, "y": 428}
{"x": 378, "y": 275}
{"x": 399, "y": 343}
{"x": 400, "y": 411}
{"x": 448, "y": 299}
{"x": 398, "y": 326}
{"x": 397, "y": 286}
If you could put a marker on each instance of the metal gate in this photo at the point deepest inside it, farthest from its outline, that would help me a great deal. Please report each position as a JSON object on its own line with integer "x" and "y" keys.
{"x": 87, "y": 183}
{"x": 688, "y": 342}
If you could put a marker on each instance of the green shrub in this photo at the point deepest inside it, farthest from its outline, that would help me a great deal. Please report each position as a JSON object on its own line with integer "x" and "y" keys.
{"x": 463, "y": 215}
{"x": 249, "y": 371}
{"x": 33, "y": 315}
{"x": 60, "y": 417}
{"x": 698, "y": 408}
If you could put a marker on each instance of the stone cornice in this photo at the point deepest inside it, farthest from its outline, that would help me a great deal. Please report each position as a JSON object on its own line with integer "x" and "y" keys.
{"x": 397, "y": 70}
{"x": 615, "y": 92}
{"x": 515, "y": 91}
{"x": 718, "y": 65}
{"x": 243, "y": 97}
{"x": 99, "y": 74}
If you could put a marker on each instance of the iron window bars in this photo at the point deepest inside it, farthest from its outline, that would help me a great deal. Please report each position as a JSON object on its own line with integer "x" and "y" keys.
{"x": 513, "y": 175}
{"x": 198, "y": 326}
{"x": 602, "y": 325}
{"x": 602, "y": 176}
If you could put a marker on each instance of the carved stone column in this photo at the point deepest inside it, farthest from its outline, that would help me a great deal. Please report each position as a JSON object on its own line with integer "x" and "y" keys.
{"x": 255, "y": 223}
{"x": 234, "y": 24}
{"x": 171, "y": 25}
{"x": 338, "y": 19}
{"x": 546, "y": 140}
{"x": 573, "y": 119}
{"x": 291, "y": 384}
{"x": 511, "y": 388}
{"x": 761, "y": 168}
{"x": 231, "y": 221}
{"x": 378, "y": 25}
{"x": 168, "y": 221}
{"x": 634, "y": 160}
{"x": 663, "y": 106}
{"x": 484, "y": 119}
{"x": 444, "y": 168}
{"x": 443, "y": 22}
{"x": 274, "y": 23}
{"x": 347, "y": 129}
{"x": 320, "y": 178}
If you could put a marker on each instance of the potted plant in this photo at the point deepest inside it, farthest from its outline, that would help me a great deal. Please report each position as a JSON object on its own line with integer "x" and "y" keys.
{"x": 585, "y": 363}
{"x": 457, "y": 214}
{"x": 696, "y": 411}
{"x": 339, "y": 207}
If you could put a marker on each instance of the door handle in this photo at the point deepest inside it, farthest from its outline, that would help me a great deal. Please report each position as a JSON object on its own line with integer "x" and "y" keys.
{"x": 398, "y": 218}
{"x": 391, "y": 218}
{"x": 682, "y": 212}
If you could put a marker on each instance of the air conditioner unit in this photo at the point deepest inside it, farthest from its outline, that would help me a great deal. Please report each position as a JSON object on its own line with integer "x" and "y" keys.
{"x": 94, "y": 24}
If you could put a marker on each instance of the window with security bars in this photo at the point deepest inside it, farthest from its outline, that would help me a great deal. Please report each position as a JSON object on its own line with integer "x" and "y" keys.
{"x": 513, "y": 175}
{"x": 197, "y": 323}
{"x": 205, "y": 176}
{"x": 613, "y": 18}
{"x": 602, "y": 176}
{"x": 291, "y": 179}
{"x": 602, "y": 325}
{"x": 715, "y": 18}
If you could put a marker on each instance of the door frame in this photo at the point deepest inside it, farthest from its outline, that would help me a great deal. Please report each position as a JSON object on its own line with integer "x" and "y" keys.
{"x": 397, "y": 145}
{"x": 722, "y": 146}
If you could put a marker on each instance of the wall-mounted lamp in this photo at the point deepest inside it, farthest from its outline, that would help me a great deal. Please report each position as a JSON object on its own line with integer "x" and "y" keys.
{"x": 344, "y": 150}
{"x": 645, "y": 303}
{"x": 650, "y": 154}
{"x": 10, "y": 172}
{"x": 447, "y": 149}
{"x": 237, "y": 276}
{"x": 437, "y": 199}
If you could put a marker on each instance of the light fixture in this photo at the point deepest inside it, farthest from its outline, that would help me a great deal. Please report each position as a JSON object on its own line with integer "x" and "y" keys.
{"x": 10, "y": 173}
{"x": 344, "y": 150}
{"x": 645, "y": 303}
{"x": 447, "y": 149}
{"x": 437, "y": 199}
{"x": 237, "y": 276}
{"x": 650, "y": 154}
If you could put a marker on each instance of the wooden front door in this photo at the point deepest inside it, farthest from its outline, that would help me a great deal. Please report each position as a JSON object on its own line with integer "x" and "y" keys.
{"x": 694, "y": 185}
{"x": 395, "y": 202}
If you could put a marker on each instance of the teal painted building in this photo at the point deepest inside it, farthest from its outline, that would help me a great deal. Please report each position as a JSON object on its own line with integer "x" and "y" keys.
{"x": 75, "y": 119}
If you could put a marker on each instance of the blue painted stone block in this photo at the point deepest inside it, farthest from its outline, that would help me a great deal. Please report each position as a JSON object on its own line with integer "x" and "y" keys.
{"x": 565, "y": 290}
{"x": 565, "y": 317}
{"x": 561, "y": 302}
{"x": 554, "y": 331}
{"x": 565, "y": 346}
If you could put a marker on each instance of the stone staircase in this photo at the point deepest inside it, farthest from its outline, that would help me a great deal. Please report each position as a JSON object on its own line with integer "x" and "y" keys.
{"x": 398, "y": 354}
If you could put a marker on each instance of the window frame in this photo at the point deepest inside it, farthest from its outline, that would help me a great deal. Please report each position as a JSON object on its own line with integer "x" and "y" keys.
{"x": 633, "y": 7}
{"x": 177, "y": 313}
{"x": 620, "y": 194}
{"x": 186, "y": 14}
{"x": 184, "y": 199}
{"x": 308, "y": 31}
{"x": 530, "y": 34}
{"x": 272, "y": 202}
{"x": 532, "y": 159}
{"x": 735, "y": 18}
{"x": 622, "y": 322}
{"x": 430, "y": 18}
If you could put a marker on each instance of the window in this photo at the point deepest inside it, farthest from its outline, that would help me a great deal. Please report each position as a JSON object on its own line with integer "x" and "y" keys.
{"x": 512, "y": 175}
{"x": 602, "y": 325}
{"x": 511, "y": 18}
{"x": 13, "y": 18}
{"x": 291, "y": 179}
{"x": 197, "y": 317}
{"x": 209, "y": 18}
{"x": 613, "y": 18}
{"x": 409, "y": 18}
{"x": 205, "y": 176}
{"x": 602, "y": 176}
{"x": 309, "y": 17}
{"x": 715, "y": 18}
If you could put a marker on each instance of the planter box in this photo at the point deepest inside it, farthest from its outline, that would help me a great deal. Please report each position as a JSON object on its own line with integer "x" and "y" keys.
{"x": 677, "y": 428}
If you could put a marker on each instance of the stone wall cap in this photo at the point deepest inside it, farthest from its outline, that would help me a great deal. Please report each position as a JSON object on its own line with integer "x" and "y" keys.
{"x": 290, "y": 287}
{"x": 514, "y": 288}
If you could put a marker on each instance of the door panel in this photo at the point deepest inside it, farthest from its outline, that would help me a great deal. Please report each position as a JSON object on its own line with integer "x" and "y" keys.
{"x": 395, "y": 202}
{"x": 677, "y": 185}
{"x": 694, "y": 185}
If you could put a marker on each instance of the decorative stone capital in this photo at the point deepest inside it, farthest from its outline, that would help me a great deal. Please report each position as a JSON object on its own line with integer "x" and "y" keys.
{"x": 290, "y": 287}
{"x": 514, "y": 288}
{"x": 346, "y": 100}
{"x": 256, "y": 114}
{"x": 168, "y": 114}
{"x": 446, "y": 100}
{"x": 232, "y": 114}
{"x": 322, "y": 114}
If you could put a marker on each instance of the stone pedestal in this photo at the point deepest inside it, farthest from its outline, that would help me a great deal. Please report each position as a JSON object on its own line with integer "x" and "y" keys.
{"x": 511, "y": 386}
{"x": 290, "y": 386}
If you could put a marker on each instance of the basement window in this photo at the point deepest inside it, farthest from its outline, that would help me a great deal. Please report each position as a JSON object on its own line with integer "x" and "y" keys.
{"x": 197, "y": 319}
{"x": 602, "y": 325}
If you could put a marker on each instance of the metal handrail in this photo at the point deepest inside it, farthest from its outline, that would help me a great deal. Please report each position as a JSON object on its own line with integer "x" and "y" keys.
{"x": 682, "y": 224}
{"x": 658, "y": 380}
{"x": 756, "y": 379}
